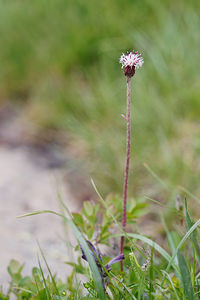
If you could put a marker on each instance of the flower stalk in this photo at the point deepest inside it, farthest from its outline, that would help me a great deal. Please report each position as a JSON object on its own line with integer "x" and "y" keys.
{"x": 130, "y": 62}
{"x": 126, "y": 173}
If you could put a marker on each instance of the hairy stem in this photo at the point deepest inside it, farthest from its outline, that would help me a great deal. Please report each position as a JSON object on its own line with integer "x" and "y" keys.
{"x": 126, "y": 173}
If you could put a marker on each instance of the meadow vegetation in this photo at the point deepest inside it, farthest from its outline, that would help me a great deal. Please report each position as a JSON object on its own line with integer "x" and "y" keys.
{"x": 60, "y": 65}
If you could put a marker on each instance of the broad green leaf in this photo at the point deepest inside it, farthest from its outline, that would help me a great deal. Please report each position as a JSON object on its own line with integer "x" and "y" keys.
{"x": 186, "y": 236}
{"x": 172, "y": 285}
{"x": 185, "y": 276}
{"x": 194, "y": 236}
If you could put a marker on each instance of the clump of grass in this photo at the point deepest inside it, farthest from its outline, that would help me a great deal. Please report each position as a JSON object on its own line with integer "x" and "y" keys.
{"x": 151, "y": 274}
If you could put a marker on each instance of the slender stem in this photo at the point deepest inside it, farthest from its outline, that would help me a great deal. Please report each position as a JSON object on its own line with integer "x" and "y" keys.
{"x": 126, "y": 173}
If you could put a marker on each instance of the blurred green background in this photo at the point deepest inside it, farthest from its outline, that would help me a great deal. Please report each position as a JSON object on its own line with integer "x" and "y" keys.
{"x": 59, "y": 62}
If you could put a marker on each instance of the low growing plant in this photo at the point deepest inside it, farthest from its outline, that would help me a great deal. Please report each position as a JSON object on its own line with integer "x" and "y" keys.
{"x": 150, "y": 272}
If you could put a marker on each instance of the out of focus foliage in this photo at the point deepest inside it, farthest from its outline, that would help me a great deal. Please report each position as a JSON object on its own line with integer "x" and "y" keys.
{"x": 59, "y": 61}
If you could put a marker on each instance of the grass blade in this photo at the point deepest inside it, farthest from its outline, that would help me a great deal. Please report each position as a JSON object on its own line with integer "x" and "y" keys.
{"x": 185, "y": 276}
{"x": 189, "y": 193}
{"x": 151, "y": 243}
{"x": 151, "y": 276}
{"x": 156, "y": 176}
{"x": 91, "y": 261}
{"x": 52, "y": 278}
{"x": 44, "y": 281}
{"x": 170, "y": 239}
{"x": 172, "y": 284}
{"x": 194, "y": 236}
{"x": 186, "y": 236}
{"x": 81, "y": 240}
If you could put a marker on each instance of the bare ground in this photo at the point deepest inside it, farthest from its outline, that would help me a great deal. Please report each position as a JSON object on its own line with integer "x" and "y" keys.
{"x": 29, "y": 179}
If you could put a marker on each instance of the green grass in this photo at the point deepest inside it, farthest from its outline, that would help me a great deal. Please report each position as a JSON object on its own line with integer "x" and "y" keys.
{"x": 59, "y": 62}
{"x": 171, "y": 274}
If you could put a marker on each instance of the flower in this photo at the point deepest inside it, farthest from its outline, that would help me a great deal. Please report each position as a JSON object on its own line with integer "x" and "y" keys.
{"x": 147, "y": 262}
{"x": 130, "y": 62}
{"x": 96, "y": 255}
{"x": 98, "y": 259}
{"x": 113, "y": 261}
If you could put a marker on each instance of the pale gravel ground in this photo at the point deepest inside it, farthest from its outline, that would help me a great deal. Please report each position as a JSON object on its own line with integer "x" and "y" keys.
{"x": 27, "y": 185}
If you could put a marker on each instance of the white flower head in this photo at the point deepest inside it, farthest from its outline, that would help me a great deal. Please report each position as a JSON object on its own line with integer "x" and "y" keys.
{"x": 130, "y": 62}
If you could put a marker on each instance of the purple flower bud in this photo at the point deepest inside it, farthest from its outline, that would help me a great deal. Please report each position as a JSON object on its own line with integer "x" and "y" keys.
{"x": 94, "y": 252}
{"x": 114, "y": 260}
{"x": 97, "y": 257}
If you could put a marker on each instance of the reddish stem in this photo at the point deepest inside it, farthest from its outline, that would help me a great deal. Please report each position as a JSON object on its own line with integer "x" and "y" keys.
{"x": 126, "y": 173}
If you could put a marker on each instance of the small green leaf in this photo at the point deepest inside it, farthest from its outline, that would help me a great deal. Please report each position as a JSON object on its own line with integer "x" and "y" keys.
{"x": 78, "y": 219}
{"x": 36, "y": 271}
{"x": 14, "y": 267}
{"x": 88, "y": 208}
{"x": 79, "y": 269}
